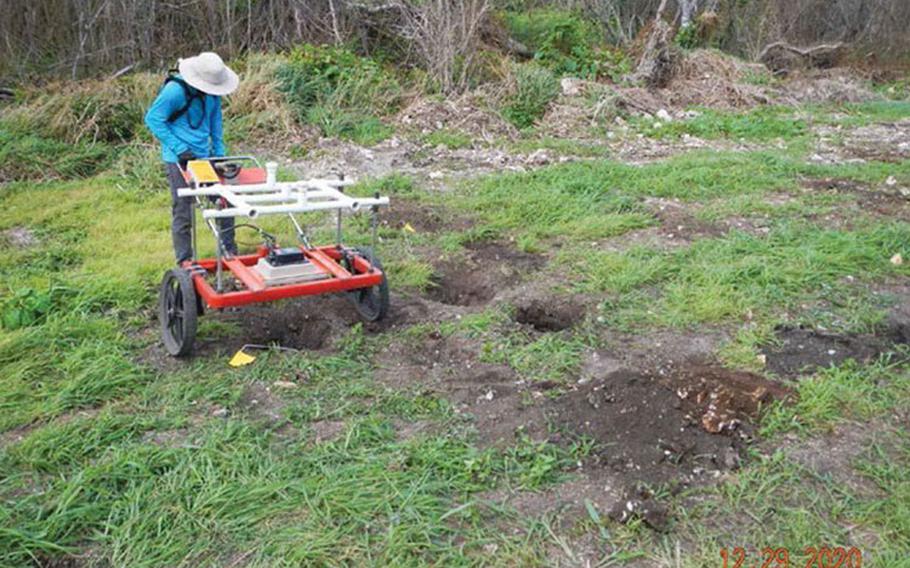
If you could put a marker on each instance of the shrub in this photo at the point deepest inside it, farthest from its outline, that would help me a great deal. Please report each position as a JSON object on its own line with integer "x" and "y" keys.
{"x": 534, "y": 88}
{"x": 334, "y": 89}
{"x": 567, "y": 43}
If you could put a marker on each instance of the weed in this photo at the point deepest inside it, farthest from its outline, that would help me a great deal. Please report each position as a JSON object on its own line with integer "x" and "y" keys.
{"x": 534, "y": 88}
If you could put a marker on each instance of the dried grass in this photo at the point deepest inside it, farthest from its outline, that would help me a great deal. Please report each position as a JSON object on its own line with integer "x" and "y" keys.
{"x": 467, "y": 114}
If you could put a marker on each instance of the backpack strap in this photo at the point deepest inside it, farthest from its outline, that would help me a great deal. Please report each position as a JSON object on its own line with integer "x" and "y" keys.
{"x": 189, "y": 94}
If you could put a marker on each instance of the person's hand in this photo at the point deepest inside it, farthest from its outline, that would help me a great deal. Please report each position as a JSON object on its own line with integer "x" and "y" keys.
{"x": 185, "y": 157}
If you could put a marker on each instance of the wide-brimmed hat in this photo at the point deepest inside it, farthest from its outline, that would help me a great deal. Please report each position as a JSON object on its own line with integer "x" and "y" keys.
{"x": 208, "y": 73}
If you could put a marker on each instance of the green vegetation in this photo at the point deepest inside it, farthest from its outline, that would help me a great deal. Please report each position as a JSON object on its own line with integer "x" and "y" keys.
{"x": 451, "y": 139}
{"x": 351, "y": 454}
{"x": 567, "y": 43}
{"x": 31, "y": 157}
{"x": 534, "y": 88}
{"x": 343, "y": 94}
{"x": 762, "y": 124}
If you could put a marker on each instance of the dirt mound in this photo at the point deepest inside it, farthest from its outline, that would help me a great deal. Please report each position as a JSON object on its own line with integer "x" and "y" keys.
{"x": 465, "y": 114}
{"x": 489, "y": 267}
{"x": 800, "y": 351}
{"x": 644, "y": 429}
{"x": 725, "y": 398}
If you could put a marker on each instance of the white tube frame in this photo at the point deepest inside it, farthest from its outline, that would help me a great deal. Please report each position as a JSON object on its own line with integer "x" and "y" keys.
{"x": 304, "y": 196}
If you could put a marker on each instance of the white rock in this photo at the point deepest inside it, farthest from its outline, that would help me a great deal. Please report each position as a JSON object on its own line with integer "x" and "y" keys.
{"x": 663, "y": 115}
{"x": 891, "y": 181}
{"x": 436, "y": 175}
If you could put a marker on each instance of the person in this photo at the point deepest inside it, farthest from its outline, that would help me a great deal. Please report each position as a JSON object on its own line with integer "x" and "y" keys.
{"x": 186, "y": 119}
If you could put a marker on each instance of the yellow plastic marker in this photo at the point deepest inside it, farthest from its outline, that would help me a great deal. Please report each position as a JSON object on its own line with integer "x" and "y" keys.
{"x": 202, "y": 171}
{"x": 409, "y": 229}
{"x": 240, "y": 359}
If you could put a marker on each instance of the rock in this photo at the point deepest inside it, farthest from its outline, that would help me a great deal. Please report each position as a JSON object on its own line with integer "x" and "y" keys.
{"x": 571, "y": 86}
{"x": 891, "y": 181}
{"x": 220, "y": 412}
{"x": 436, "y": 175}
{"x": 285, "y": 384}
{"x": 663, "y": 115}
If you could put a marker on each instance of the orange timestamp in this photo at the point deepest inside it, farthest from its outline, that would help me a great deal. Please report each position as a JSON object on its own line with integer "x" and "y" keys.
{"x": 811, "y": 557}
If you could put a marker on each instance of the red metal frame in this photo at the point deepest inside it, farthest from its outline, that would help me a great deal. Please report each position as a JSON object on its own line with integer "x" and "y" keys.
{"x": 325, "y": 258}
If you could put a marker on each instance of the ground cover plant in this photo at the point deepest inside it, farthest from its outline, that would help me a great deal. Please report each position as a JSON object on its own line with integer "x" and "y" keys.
{"x": 609, "y": 343}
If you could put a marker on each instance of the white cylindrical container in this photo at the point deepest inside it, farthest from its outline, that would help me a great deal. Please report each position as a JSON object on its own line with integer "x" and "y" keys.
{"x": 271, "y": 174}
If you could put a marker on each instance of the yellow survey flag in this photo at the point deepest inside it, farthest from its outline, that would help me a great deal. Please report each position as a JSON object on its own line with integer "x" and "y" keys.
{"x": 408, "y": 228}
{"x": 240, "y": 359}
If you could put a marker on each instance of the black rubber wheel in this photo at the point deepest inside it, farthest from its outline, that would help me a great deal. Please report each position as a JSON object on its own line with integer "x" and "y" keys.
{"x": 177, "y": 312}
{"x": 372, "y": 304}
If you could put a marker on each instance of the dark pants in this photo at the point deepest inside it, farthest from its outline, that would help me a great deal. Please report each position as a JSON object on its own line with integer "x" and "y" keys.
{"x": 182, "y": 218}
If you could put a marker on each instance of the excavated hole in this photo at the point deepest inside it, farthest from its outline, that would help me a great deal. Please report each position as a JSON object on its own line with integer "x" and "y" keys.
{"x": 489, "y": 267}
{"x": 549, "y": 315}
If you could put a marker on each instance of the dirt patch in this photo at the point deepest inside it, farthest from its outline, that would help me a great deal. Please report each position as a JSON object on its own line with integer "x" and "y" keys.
{"x": 167, "y": 438}
{"x": 551, "y": 314}
{"x": 652, "y": 432}
{"x": 678, "y": 220}
{"x": 19, "y": 237}
{"x": 326, "y": 430}
{"x": 882, "y": 201}
{"x": 884, "y": 142}
{"x": 309, "y": 324}
{"x": 409, "y": 215}
{"x": 258, "y": 404}
{"x": 475, "y": 280}
{"x": 798, "y": 351}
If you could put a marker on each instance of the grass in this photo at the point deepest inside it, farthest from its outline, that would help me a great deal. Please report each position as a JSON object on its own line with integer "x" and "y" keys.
{"x": 739, "y": 276}
{"x": 762, "y": 124}
{"x": 451, "y": 139}
{"x": 113, "y": 457}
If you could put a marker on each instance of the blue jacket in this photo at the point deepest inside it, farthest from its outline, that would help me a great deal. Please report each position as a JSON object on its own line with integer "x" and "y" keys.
{"x": 177, "y": 137}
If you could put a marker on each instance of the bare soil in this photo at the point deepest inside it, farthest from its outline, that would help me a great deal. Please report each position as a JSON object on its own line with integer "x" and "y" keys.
{"x": 798, "y": 351}
{"x": 550, "y": 314}
{"x": 488, "y": 268}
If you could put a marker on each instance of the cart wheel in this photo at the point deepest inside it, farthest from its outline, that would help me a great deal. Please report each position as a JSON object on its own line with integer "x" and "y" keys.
{"x": 177, "y": 311}
{"x": 371, "y": 303}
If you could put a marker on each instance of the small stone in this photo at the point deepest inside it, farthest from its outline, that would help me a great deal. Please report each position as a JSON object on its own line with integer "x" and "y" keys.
{"x": 663, "y": 115}
{"x": 891, "y": 181}
{"x": 220, "y": 412}
{"x": 285, "y": 384}
{"x": 436, "y": 175}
